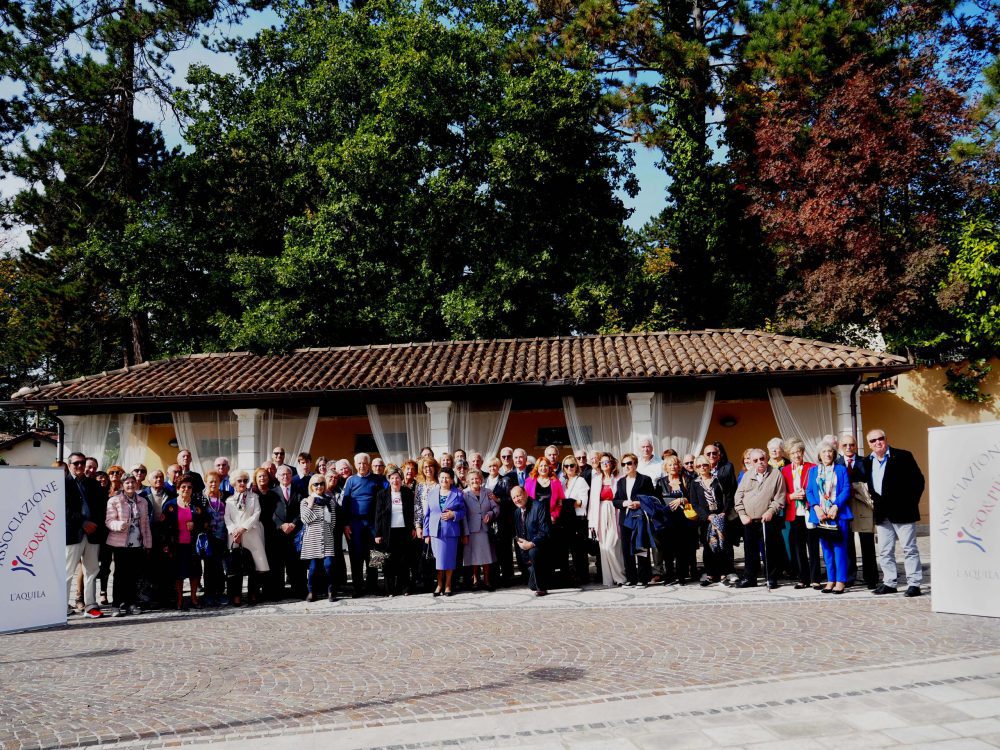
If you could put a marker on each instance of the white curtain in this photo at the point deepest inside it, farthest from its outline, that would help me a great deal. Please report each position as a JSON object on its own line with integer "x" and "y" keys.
{"x": 400, "y": 430}
{"x": 807, "y": 417}
{"x": 480, "y": 430}
{"x": 602, "y": 424}
{"x": 133, "y": 436}
{"x": 292, "y": 429}
{"x": 681, "y": 423}
{"x": 207, "y": 434}
{"x": 91, "y": 438}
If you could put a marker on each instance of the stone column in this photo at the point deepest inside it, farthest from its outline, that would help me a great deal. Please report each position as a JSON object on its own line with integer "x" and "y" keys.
{"x": 248, "y": 439}
{"x": 641, "y": 405}
{"x": 842, "y": 420}
{"x": 439, "y": 412}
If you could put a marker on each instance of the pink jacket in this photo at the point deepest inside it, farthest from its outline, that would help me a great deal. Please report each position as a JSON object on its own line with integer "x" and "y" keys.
{"x": 117, "y": 519}
{"x": 555, "y": 502}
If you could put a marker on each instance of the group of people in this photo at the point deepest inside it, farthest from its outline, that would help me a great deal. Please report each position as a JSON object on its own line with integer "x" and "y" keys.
{"x": 434, "y": 524}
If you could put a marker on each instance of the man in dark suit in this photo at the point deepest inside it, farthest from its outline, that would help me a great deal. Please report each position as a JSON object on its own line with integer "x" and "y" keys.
{"x": 586, "y": 471}
{"x": 85, "y": 504}
{"x": 531, "y": 523}
{"x": 284, "y": 503}
{"x": 896, "y": 484}
{"x": 862, "y": 523}
{"x": 638, "y": 568}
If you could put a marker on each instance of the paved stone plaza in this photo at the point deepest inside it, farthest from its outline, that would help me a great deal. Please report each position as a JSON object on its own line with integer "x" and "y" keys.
{"x": 662, "y": 667}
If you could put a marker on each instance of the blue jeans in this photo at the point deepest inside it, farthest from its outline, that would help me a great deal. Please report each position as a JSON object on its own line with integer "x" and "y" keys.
{"x": 314, "y": 564}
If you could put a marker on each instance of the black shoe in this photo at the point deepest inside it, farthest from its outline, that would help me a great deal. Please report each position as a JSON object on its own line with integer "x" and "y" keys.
{"x": 913, "y": 591}
{"x": 773, "y": 585}
{"x": 883, "y": 589}
{"x": 706, "y": 580}
{"x": 745, "y": 584}
{"x": 871, "y": 586}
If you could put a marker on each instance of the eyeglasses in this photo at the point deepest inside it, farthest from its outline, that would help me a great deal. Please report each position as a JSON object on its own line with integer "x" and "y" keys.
{"x": 880, "y": 439}
{"x": 691, "y": 463}
{"x": 701, "y": 466}
{"x": 278, "y": 453}
{"x": 759, "y": 459}
{"x": 712, "y": 453}
{"x": 507, "y": 455}
{"x": 628, "y": 463}
{"x": 241, "y": 481}
{"x": 569, "y": 466}
{"x": 76, "y": 463}
{"x": 115, "y": 473}
{"x": 848, "y": 445}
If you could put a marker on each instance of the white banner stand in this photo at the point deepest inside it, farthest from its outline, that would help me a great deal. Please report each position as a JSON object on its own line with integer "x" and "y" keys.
{"x": 32, "y": 548}
{"x": 965, "y": 518}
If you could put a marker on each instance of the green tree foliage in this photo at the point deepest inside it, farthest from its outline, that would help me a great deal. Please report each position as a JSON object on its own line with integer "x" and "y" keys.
{"x": 393, "y": 172}
{"x": 664, "y": 67}
{"x": 97, "y": 177}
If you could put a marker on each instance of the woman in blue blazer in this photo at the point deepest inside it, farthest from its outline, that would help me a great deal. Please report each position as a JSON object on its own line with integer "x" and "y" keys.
{"x": 828, "y": 490}
{"x": 444, "y": 527}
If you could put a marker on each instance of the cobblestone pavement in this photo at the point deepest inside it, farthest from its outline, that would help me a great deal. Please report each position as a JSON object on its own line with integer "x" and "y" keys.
{"x": 409, "y": 671}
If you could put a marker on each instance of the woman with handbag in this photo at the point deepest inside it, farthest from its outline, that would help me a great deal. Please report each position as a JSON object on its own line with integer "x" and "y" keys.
{"x": 828, "y": 492}
{"x": 444, "y": 526}
{"x": 481, "y": 510}
{"x": 129, "y": 539}
{"x": 678, "y": 539}
{"x": 803, "y": 542}
{"x": 711, "y": 505}
{"x": 184, "y": 517}
{"x": 319, "y": 514}
{"x": 393, "y": 529}
{"x": 246, "y": 539}
{"x": 216, "y": 539}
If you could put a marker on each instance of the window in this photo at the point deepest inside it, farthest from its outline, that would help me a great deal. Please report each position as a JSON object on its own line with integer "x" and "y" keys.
{"x": 556, "y": 435}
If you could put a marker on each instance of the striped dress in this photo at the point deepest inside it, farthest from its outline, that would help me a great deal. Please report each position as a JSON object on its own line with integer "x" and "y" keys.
{"x": 317, "y": 540}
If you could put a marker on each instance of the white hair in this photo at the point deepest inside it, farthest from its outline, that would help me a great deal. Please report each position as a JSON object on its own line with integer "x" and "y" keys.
{"x": 359, "y": 456}
{"x": 775, "y": 442}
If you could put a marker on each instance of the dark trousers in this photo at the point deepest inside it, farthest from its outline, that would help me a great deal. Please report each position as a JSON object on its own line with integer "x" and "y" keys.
{"x": 504, "y": 550}
{"x": 234, "y": 584}
{"x": 128, "y": 566}
{"x": 734, "y": 535}
{"x": 415, "y": 558}
{"x": 579, "y": 537}
{"x": 869, "y": 566}
{"x": 756, "y": 534}
{"x": 215, "y": 578}
{"x": 286, "y": 565}
{"x": 397, "y": 567}
{"x": 105, "y": 556}
{"x": 533, "y": 563}
{"x": 677, "y": 545}
{"x": 638, "y": 569}
{"x": 363, "y": 575}
{"x": 804, "y": 545}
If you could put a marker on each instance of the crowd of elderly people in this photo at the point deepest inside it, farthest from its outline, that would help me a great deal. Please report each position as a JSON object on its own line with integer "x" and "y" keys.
{"x": 440, "y": 524}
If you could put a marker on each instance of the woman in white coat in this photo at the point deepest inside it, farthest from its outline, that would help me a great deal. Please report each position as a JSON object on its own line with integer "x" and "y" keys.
{"x": 602, "y": 518}
{"x": 243, "y": 525}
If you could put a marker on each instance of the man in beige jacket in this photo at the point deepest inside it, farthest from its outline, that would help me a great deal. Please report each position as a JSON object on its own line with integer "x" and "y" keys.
{"x": 760, "y": 501}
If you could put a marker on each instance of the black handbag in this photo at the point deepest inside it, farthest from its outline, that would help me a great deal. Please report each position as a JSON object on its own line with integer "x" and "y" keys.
{"x": 237, "y": 562}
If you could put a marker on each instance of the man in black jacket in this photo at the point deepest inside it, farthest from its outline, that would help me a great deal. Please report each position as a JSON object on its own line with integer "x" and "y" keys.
{"x": 284, "y": 504}
{"x": 505, "y": 520}
{"x": 896, "y": 484}
{"x": 531, "y": 523}
{"x": 86, "y": 504}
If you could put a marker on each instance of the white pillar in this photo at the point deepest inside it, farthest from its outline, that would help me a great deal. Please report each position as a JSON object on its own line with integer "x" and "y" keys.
{"x": 71, "y": 424}
{"x": 642, "y": 418}
{"x": 843, "y": 418}
{"x": 248, "y": 438}
{"x": 439, "y": 411}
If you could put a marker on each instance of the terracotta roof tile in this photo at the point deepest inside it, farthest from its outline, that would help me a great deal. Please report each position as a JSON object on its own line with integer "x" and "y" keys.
{"x": 576, "y": 359}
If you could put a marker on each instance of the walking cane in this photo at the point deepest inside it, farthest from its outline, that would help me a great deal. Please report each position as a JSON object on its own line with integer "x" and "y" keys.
{"x": 767, "y": 570}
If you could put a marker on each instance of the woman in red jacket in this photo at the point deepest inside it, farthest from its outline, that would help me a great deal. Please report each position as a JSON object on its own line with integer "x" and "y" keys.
{"x": 801, "y": 538}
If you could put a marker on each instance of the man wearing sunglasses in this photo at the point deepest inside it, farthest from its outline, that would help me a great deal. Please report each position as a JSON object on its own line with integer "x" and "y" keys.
{"x": 896, "y": 484}
{"x": 85, "y": 504}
